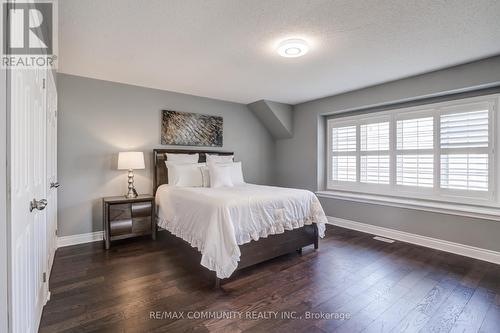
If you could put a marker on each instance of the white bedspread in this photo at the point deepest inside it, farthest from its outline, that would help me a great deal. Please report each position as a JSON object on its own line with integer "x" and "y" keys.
{"x": 217, "y": 220}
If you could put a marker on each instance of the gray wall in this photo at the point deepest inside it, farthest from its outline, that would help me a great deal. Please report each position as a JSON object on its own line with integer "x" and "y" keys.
{"x": 283, "y": 112}
{"x": 276, "y": 117}
{"x": 300, "y": 160}
{"x": 97, "y": 119}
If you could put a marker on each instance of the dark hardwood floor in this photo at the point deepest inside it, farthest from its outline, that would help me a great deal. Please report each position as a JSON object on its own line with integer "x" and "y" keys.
{"x": 142, "y": 286}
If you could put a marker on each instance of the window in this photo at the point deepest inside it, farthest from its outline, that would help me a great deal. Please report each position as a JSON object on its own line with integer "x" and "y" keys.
{"x": 465, "y": 145}
{"x": 374, "y": 153}
{"x": 415, "y": 151}
{"x": 442, "y": 151}
{"x": 344, "y": 153}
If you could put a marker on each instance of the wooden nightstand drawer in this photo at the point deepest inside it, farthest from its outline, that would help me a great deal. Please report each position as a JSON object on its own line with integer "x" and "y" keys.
{"x": 120, "y": 227}
{"x": 141, "y": 224}
{"x": 119, "y": 212}
{"x": 141, "y": 209}
{"x": 125, "y": 218}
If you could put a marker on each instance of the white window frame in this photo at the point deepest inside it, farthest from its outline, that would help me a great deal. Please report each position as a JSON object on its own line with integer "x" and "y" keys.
{"x": 436, "y": 193}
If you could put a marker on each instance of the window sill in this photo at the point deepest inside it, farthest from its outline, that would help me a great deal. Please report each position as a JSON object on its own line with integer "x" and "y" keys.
{"x": 488, "y": 213}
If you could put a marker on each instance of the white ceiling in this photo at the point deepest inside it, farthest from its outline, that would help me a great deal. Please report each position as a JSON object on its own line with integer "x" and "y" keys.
{"x": 225, "y": 48}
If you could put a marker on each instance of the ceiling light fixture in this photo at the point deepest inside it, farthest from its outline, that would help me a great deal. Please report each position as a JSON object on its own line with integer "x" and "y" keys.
{"x": 292, "y": 48}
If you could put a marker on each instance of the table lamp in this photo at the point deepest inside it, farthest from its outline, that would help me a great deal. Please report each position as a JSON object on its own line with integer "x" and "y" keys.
{"x": 131, "y": 160}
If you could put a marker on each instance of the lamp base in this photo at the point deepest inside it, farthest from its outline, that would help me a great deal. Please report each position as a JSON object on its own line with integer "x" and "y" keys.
{"x": 132, "y": 193}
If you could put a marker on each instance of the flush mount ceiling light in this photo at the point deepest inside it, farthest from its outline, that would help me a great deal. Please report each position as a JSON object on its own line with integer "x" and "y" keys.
{"x": 292, "y": 48}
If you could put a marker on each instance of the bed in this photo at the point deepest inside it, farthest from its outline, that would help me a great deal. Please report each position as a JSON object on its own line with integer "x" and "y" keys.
{"x": 230, "y": 228}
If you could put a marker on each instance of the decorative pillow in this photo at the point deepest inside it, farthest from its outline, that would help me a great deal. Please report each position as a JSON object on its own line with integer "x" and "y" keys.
{"x": 185, "y": 175}
{"x": 220, "y": 175}
{"x": 182, "y": 158}
{"x": 219, "y": 158}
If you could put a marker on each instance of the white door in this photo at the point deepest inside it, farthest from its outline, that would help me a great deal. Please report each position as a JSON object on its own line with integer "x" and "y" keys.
{"x": 51, "y": 170}
{"x": 28, "y": 191}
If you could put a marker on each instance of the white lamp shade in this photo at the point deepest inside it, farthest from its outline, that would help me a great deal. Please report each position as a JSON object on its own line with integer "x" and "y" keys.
{"x": 131, "y": 160}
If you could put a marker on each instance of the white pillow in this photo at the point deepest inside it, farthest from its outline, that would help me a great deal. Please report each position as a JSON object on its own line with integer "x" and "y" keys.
{"x": 171, "y": 171}
{"x": 236, "y": 173}
{"x": 185, "y": 175}
{"x": 220, "y": 175}
{"x": 183, "y": 158}
{"x": 219, "y": 158}
{"x": 205, "y": 174}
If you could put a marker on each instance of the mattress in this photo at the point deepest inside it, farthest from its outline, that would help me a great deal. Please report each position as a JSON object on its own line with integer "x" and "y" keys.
{"x": 217, "y": 220}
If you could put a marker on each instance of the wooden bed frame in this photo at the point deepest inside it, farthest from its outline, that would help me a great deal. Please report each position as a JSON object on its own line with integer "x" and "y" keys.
{"x": 256, "y": 251}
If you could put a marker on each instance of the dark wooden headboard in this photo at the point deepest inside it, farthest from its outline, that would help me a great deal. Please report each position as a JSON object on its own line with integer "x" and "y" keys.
{"x": 160, "y": 171}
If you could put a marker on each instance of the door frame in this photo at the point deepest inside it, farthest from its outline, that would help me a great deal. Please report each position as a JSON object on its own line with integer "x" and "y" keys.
{"x": 4, "y": 215}
{"x": 4, "y": 204}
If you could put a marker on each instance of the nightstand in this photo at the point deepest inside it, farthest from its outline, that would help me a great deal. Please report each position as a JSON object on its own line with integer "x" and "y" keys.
{"x": 125, "y": 218}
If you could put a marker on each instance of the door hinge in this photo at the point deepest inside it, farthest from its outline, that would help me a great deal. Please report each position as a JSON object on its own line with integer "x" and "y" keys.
{"x": 44, "y": 277}
{"x": 56, "y": 232}
{"x": 43, "y": 83}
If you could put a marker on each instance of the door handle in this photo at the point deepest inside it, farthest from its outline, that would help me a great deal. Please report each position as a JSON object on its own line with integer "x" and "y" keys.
{"x": 54, "y": 185}
{"x": 38, "y": 204}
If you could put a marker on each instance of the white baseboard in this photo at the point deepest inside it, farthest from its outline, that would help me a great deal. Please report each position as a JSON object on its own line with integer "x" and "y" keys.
{"x": 80, "y": 239}
{"x": 434, "y": 243}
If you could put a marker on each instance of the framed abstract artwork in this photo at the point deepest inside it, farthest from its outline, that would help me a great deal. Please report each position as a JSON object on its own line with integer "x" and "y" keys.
{"x": 190, "y": 129}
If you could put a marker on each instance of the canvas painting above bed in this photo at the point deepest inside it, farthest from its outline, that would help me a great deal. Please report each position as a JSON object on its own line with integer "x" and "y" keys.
{"x": 191, "y": 129}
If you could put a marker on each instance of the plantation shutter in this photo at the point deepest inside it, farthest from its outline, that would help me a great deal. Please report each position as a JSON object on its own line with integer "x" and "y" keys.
{"x": 374, "y": 156}
{"x": 415, "y": 154}
{"x": 344, "y": 153}
{"x": 464, "y": 144}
